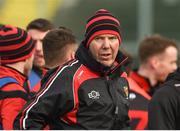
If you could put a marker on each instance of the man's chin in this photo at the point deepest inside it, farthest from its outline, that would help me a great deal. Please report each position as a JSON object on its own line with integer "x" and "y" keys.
{"x": 39, "y": 63}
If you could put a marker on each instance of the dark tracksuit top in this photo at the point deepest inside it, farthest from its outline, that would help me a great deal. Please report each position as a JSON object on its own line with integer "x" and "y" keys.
{"x": 164, "y": 107}
{"x": 13, "y": 96}
{"x": 81, "y": 94}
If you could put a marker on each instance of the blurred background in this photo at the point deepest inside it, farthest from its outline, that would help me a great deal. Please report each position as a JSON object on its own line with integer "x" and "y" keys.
{"x": 139, "y": 18}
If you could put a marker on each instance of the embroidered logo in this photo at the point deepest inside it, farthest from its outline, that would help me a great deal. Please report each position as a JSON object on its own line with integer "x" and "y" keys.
{"x": 94, "y": 95}
{"x": 126, "y": 90}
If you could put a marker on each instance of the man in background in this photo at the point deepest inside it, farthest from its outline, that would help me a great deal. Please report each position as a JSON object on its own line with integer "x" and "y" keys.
{"x": 38, "y": 28}
{"x": 158, "y": 57}
{"x": 59, "y": 47}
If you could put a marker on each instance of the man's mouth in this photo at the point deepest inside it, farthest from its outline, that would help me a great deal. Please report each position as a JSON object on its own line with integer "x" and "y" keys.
{"x": 105, "y": 56}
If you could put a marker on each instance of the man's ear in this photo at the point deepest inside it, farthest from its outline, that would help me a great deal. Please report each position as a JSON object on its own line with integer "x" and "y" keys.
{"x": 72, "y": 54}
{"x": 154, "y": 62}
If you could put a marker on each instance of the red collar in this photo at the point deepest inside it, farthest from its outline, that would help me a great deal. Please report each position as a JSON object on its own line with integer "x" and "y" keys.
{"x": 141, "y": 81}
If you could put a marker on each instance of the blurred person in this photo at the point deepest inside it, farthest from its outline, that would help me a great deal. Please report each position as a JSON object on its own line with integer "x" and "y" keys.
{"x": 16, "y": 59}
{"x": 138, "y": 116}
{"x": 138, "y": 99}
{"x": 158, "y": 57}
{"x": 59, "y": 46}
{"x": 163, "y": 110}
{"x": 38, "y": 28}
{"x": 89, "y": 92}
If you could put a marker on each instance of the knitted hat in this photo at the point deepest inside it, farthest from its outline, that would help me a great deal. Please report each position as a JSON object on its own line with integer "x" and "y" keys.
{"x": 15, "y": 45}
{"x": 102, "y": 22}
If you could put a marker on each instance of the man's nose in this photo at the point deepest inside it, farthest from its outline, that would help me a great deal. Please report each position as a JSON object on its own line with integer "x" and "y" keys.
{"x": 106, "y": 43}
{"x": 38, "y": 45}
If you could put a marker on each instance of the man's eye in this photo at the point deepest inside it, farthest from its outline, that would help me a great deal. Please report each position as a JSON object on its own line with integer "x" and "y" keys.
{"x": 98, "y": 38}
{"x": 113, "y": 38}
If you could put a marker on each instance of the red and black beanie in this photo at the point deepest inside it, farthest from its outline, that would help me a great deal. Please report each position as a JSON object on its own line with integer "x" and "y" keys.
{"x": 15, "y": 44}
{"x": 102, "y": 22}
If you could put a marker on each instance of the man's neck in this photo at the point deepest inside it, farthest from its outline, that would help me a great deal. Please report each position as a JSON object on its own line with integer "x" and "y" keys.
{"x": 18, "y": 66}
{"x": 147, "y": 73}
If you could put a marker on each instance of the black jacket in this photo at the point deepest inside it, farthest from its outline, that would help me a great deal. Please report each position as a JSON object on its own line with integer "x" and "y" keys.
{"x": 164, "y": 108}
{"x": 81, "y": 94}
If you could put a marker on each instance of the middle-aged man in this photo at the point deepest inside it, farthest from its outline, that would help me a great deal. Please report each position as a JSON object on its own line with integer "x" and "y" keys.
{"x": 89, "y": 92}
{"x": 16, "y": 59}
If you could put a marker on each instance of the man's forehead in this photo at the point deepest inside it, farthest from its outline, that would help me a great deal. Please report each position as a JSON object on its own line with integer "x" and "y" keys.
{"x": 37, "y": 34}
{"x": 106, "y": 35}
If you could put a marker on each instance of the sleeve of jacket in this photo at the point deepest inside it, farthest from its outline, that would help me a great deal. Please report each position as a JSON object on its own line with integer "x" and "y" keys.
{"x": 13, "y": 98}
{"x": 53, "y": 101}
{"x": 9, "y": 110}
{"x": 160, "y": 112}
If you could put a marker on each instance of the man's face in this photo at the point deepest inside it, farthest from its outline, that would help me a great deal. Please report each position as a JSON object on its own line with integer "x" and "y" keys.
{"x": 38, "y": 37}
{"x": 104, "y": 49}
{"x": 167, "y": 63}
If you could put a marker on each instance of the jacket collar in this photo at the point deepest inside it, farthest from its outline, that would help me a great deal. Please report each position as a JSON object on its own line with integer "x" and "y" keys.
{"x": 175, "y": 75}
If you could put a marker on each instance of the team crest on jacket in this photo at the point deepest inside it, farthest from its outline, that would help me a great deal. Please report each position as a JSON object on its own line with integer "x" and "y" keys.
{"x": 94, "y": 95}
{"x": 126, "y": 91}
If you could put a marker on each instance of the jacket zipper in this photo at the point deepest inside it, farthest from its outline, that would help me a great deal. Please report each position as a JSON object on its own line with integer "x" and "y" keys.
{"x": 116, "y": 111}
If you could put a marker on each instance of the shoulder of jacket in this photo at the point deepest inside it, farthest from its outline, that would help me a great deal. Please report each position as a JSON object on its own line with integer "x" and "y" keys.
{"x": 5, "y": 81}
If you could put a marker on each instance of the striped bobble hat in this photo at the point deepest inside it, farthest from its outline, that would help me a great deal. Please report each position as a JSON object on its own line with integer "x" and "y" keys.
{"x": 15, "y": 44}
{"x": 102, "y": 22}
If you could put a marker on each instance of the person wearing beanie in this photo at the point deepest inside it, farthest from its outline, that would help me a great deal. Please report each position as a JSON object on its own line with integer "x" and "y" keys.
{"x": 89, "y": 92}
{"x": 38, "y": 28}
{"x": 16, "y": 58}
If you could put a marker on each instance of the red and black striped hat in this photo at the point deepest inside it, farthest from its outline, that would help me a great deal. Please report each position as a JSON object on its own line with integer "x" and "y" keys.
{"x": 15, "y": 44}
{"x": 102, "y": 22}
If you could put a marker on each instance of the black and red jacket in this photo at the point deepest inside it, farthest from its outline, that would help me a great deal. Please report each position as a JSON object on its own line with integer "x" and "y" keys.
{"x": 140, "y": 90}
{"x": 13, "y": 95}
{"x": 138, "y": 108}
{"x": 144, "y": 83}
{"x": 81, "y": 94}
{"x": 140, "y": 94}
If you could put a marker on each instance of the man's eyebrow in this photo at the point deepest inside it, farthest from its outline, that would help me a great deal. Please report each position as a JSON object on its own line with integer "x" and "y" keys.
{"x": 99, "y": 37}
